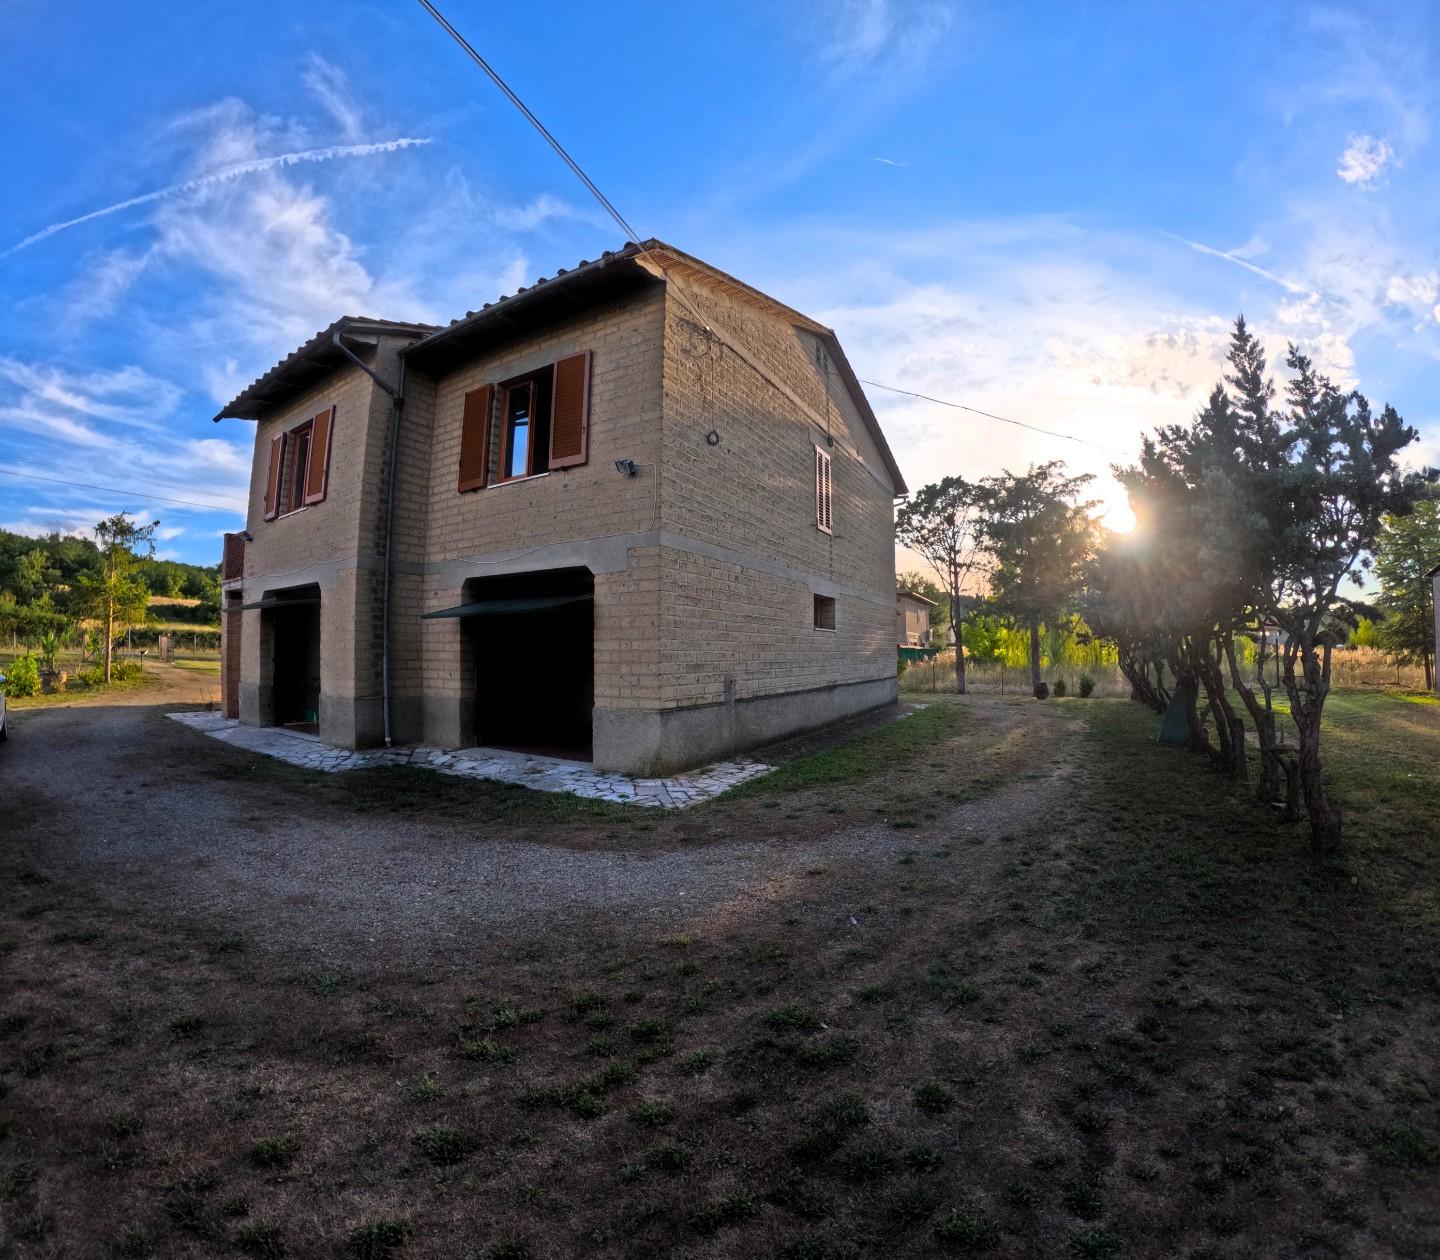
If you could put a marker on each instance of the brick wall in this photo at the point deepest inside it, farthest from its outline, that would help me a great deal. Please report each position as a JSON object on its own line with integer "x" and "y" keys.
{"x": 505, "y": 527}
{"x": 748, "y": 610}
{"x": 337, "y": 543}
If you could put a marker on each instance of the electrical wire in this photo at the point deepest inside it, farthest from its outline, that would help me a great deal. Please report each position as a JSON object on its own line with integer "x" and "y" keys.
{"x": 129, "y": 494}
{"x": 990, "y": 415}
{"x": 632, "y": 235}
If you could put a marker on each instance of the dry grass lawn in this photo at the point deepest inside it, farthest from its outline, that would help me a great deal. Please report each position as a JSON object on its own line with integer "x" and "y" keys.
{"x": 1097, "y": 1005}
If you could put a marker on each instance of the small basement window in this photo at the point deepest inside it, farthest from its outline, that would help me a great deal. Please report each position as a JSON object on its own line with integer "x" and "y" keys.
{"x": 824, "y": 612}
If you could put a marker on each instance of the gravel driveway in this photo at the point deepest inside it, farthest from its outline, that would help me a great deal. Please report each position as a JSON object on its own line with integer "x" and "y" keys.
{"x": 117, "y": 798}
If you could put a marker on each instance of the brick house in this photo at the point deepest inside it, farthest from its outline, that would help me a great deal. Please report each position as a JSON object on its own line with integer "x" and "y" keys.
{"x": 638, "y": 511}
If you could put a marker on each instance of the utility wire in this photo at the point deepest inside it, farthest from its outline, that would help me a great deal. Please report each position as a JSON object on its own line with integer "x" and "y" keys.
{"x": 990, "y": 415}
{"x": 632, "y": 235}
{"x": 130, "y": 494}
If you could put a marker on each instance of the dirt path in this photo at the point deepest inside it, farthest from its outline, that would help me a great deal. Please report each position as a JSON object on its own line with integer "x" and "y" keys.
{"x": 118, "y": 796}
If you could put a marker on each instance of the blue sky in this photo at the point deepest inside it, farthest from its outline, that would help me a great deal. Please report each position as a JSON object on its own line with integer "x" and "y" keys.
{"x": 1050, "y": 210}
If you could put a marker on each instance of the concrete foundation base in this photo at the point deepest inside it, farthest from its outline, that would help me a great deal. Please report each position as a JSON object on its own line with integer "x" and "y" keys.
{"x": 649, "y": 742}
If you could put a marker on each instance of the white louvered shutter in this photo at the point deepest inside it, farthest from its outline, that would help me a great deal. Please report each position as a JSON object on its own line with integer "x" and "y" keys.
{"x": 823, "y": 518}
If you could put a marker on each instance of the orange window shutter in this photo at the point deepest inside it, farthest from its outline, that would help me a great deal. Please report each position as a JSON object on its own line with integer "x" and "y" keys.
{"x": 475, "y": 437}
{"x": 570, "y": 412}
{"x": 317, "y": 471}
{"x": 272, "y": 482}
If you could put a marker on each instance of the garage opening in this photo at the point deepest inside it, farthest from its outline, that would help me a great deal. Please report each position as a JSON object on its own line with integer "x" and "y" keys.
{"x": 530, "y": 640}
{"x": 291, "y": 620}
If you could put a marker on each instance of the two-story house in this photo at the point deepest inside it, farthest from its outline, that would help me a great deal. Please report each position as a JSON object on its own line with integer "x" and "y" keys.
{"x": 639, "y": 512}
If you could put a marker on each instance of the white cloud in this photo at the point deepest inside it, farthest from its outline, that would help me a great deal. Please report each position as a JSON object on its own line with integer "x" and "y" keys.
{"x": 526, "y": 218}
{"x": 104, "y": 283}
{"x": 1365, "y": 160}
{"x": 1095, "y": 335}
{"x": 1419, "y": 293}
{"x": 85, "y": 430}
{"x": 167, "y": 533}
{"x": 328, "y": 84}
{"x": 865, "y": 33}
{"x": 128, "y": 395}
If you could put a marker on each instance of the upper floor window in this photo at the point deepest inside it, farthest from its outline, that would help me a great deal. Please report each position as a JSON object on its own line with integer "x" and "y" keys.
{"x": 527, "y": 425}
{"x": 297, "y": 462}
{"x": 299, "y": 465}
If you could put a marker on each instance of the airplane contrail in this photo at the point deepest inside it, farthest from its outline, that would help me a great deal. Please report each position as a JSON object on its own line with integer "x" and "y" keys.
{"x": 220, "y": 176}
{"x": 1291, "y": 285}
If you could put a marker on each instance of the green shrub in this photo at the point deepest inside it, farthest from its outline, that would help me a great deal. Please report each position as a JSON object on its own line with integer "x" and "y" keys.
{"x": 92, "y": 677}
{"x": 127, "y": 671}
{"x": 1087, "y": 685}
{"x": 1059, "y": 686}
{"x": 22, "y": 678}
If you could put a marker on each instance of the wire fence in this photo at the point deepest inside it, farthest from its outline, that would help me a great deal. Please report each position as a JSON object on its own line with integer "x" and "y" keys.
{"x": 1350, "y": 667}
{"x": 996, "y": 678}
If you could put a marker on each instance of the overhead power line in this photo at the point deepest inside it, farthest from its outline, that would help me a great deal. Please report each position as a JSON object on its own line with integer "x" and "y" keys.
{"x": 990, "y": 415}
{"x": 632, "y": 235}
{"x": 118, "y": 490}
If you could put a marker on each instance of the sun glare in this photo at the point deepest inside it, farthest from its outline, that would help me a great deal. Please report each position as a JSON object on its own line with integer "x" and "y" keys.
{"x": 1118, "y": 516}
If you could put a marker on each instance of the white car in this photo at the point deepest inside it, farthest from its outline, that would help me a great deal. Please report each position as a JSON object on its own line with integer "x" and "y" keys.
{"x": 4, "y": 730}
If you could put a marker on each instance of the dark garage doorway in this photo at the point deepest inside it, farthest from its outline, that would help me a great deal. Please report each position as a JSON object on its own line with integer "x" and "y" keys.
{"x": 294, "y": 625}
{"x": 531, "y": 640}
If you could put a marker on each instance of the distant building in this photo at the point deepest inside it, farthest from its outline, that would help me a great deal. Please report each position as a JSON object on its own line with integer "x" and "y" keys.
{"x": 914, "y": 635}
{"x": 639, "y": 512}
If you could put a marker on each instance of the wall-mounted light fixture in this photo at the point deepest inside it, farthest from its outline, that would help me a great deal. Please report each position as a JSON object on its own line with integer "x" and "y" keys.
{"x": 625, "y": 467}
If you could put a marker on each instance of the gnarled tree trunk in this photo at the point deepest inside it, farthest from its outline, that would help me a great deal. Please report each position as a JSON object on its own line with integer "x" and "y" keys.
{"x": 1268, "y": 789}
{"x": 1187, "y": 687}
{"x": 955, "y": 626}
{"x": 1037, "y": 684}
{"x": 1307, "y": 703}
{"x": 1229, "y": 728}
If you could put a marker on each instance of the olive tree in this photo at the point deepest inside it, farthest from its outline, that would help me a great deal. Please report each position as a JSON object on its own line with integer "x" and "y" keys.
{"x": 941, "y": 524}
{"x": 1040, "y": 536}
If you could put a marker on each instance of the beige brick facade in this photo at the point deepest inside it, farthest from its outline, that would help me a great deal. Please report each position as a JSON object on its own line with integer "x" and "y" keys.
{"x": 706, "y": 564}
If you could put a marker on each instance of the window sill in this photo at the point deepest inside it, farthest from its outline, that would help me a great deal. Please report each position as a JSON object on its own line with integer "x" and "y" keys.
{"x": 304, "y": 507}
{"x": 514, "y": 481}
{"x": 825, "y": 629}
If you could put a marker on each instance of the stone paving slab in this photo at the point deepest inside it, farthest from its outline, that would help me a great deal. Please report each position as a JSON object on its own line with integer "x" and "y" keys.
{"x": 545, "y": 774}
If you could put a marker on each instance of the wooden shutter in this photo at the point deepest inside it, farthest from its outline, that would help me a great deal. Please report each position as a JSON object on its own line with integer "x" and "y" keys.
{"x": 475, "y": 437}
{"x": 317, "y": 469}
{"x": 272, "y": 483}
{"x": 233, "y": 562}
{"x": 822, "y": 491}
{"x": 570, "y": 412}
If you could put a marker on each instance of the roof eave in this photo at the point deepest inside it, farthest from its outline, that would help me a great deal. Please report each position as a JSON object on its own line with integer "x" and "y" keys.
{"x": 310, "y": 362}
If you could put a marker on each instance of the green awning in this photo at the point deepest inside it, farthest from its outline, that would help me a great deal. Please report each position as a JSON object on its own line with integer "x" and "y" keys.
{"x": 498, "y": 607}
{"x": 271, "y": 601}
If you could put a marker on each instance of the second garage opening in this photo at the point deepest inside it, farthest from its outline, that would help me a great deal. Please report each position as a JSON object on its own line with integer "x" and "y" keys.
{"x": 530, "y": 638}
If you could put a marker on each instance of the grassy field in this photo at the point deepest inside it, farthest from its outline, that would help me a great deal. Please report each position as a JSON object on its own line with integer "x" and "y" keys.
{"x": 1100, "y": 1006}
